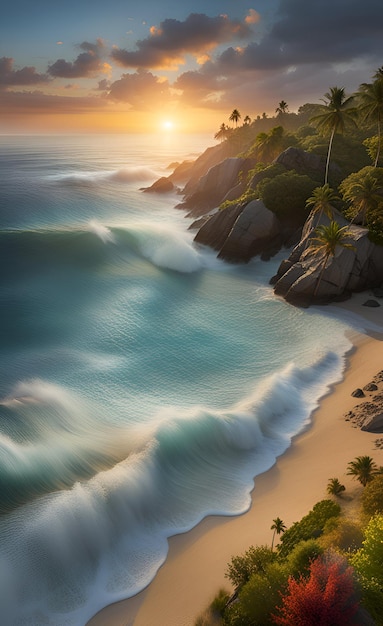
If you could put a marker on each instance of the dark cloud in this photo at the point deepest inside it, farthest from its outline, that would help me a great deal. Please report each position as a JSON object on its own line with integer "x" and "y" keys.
{"x": 88, "y": 63}
{"x": 329, "y": 31}
{"x": 168, "y": 43}
{"x": 28, "y": 102}
{"x": 25, "y": 76}
{"x": 338, "y": 41}
{"x": 141, "y": 90}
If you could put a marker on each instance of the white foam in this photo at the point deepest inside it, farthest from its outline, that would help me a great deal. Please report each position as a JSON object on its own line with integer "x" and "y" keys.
{"x": 101, "y": 231}
{"x": 167, "y": 247}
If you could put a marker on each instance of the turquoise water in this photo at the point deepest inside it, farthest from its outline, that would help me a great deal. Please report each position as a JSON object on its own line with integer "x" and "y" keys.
{"x": 143, "y": 382}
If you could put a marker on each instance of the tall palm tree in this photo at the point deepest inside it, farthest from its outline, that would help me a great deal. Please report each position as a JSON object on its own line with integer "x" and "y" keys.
{"x": 247, "y": 120}
{"x": 336, "y": 114}
{"x": 282, "y": 108}
{"x": 364, "y": 196}
{"x": 363, "y": 469}
{"x": 222, "y": 133}
{"x": 321, "y": 201}
{"x": 326, "y": 241}
{"x": 370, "y": 96}
{"x": 235, "y": 116}
{"x": 278, "y": 527}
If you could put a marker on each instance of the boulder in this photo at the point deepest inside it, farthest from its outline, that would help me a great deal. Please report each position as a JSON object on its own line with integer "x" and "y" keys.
{"x": 255, "y": 231}
{"x": 358, "y": 393}
{"x": 348, "y": 270}
{"x": 162, "y": 185}
{"x": 211, "y": 188}
{"x": 306, "y": 163}
{"x": 241, "y": 232}
{"x": 371, "y": 303}
{"x": 216, "y": 229}
{"x": 373, "y": 423}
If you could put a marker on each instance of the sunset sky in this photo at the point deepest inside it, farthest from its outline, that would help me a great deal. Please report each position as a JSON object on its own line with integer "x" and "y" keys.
{"x": 147, "y": 66}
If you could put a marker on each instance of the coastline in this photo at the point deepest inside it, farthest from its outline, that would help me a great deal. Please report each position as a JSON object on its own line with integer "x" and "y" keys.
{"x": 196, "y": 562}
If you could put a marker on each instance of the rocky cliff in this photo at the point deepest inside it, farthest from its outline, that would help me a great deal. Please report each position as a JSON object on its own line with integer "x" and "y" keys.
{"x": 248, "y": 228}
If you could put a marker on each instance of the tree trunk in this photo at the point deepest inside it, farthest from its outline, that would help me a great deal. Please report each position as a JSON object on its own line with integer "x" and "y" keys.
{"x": 321, "y": 274}
{"x": 379, "y": 140}
{"x": 328, "y": 156}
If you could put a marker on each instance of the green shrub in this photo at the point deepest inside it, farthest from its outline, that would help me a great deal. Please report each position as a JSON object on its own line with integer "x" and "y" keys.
{"x": 301, "y": 557}
{"x": 310, "y": 526}
{"x": 368, "y": 565}
{"x": 372, "y": 496}
{"x": 255, "y": 560}
{"x": 369, "y": 559}
{"x": 342, "y": 534}
{"x": 286, "y": 195}
{"x": 258, "y": 598}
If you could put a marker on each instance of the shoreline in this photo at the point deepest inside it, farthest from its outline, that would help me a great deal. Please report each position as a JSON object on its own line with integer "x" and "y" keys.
{"x": 197, "y": 560}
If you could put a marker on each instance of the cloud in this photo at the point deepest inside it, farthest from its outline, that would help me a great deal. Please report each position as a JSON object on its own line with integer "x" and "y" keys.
{"x": 27, "y": 102}
{"x": 25, "y": 76}
{"x": 315, "y": 32}
{"x": 252, "y": 17}
{"x": 142, "y": 90}
{"x": 88, "y": 63}
{"x": 167, "y": 44}
{"x": 309, "y": 47}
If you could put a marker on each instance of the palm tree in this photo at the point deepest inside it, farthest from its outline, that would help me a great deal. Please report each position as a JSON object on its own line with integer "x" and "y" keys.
{"x": 326, "y": 241}
{"x": 282, "y": 108}
{"x": 379, "y": 73}
{"x": 278, "y": 527}
{"x": 334, "y": 487}
{"x": 270, "y": 144}
{"x": 336, "y": 113}
{"x": 321, "y": 200}
{"x": 364, "y": 196}
{"x": 247, "y": 120}
{"x": 222, "y": 133}
{"x": 370, "y": 96}
{"x": 235, "y": 116}
{"x": 363, "y": 469}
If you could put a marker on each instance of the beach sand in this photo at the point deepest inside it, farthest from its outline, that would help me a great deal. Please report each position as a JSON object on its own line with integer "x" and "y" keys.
{"x": 197, "y": 560}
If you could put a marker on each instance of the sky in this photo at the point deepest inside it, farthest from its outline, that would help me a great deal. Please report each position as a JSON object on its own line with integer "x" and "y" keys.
{"x": 152, "y": 66}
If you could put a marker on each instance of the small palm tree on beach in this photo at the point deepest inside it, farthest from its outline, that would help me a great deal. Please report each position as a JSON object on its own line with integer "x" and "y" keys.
{"x": 335, "y": 487}
{"x": 278, "y": 527}
{"x": 363, "y": 469}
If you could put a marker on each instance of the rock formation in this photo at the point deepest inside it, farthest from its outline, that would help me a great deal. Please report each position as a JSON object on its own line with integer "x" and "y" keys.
{"x": 244, "y": 230}
{"x": 241, "y": 232}
{"x": 211, "y": 189}
{"x": 347, "y": 271}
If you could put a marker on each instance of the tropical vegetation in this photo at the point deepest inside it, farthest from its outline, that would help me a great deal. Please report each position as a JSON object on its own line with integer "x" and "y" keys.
{"x": 344, "y": 131}
{"x": 326, "y": 569}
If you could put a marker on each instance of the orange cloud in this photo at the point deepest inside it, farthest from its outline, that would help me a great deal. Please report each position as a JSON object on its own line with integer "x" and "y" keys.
{"x": 252, "y": 17}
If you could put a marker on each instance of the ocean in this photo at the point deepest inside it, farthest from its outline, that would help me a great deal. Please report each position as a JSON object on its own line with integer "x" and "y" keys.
{"x": 144, "y": 383}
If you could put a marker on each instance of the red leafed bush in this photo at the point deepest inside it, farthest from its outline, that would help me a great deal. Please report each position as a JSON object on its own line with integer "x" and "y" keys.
{"x": 327, "y": 597}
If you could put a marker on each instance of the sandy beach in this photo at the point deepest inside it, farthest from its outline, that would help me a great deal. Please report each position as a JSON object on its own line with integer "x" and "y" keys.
{"x": 197, "y": 560}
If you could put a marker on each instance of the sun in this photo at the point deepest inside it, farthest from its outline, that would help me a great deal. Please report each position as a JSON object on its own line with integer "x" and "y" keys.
{"x": 167, "y": 125}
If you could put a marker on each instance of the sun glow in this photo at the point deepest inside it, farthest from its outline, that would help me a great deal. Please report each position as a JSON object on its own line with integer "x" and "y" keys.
{"x": 167, "y": 125}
